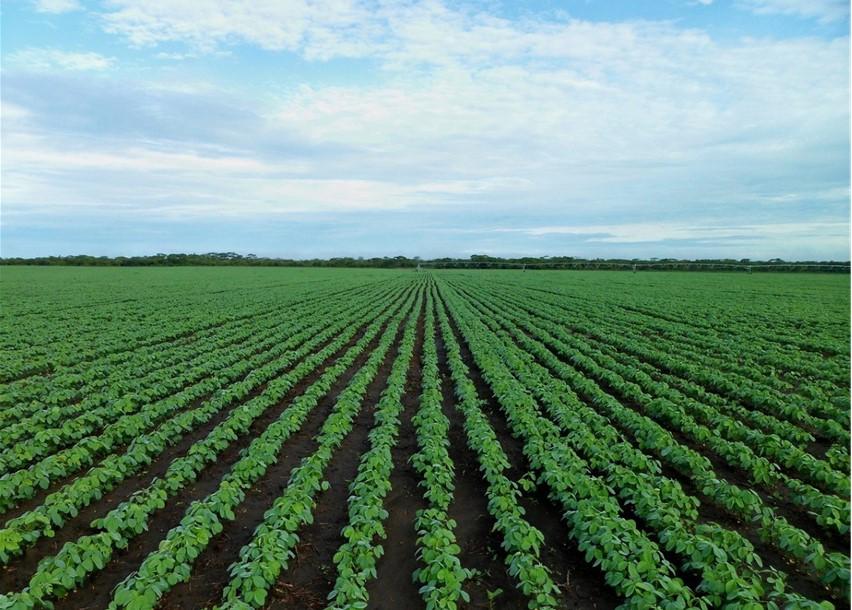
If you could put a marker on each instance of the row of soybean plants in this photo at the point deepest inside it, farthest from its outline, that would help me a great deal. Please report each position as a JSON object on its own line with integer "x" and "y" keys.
{"x": 740, "y": 358}
{"x": 272, "y": 546}
{"x": 24, "y": 483}
{"x": 822, "y": 490}
{"x": 146, "y": 329}
{"x": 442, "y": 574}
{"x": 70, "y": 567}
{"x": 632, "y": 564}
{"x": 797, "y": 545}
{"x": 735, "y": 347}
{"x": 623, "y": 344}
{"x": 249, "y": 376}
{"x": 521, "y": 541}
{"x": 220, "y": 308}
{"x": 727, "y": 563}
{"x": 735, "y": 365}
{"x": 66, "y": 327}
{"x": 752, "y": 451}
{"x": 760, "y": 406}
{"x": 787, "y": 373}
{"x": 692, "y": 379}
{"x": 697, "y": 366}
{"x": 107, "y": 379}
{"x": 172, "y": 562}
{"x": 84, "y": 423}
{"x": 50, "y": 430}
{"x": 115, "y": 329}
{"x": 781, "y": 307}
{"x": 734, "y": 336}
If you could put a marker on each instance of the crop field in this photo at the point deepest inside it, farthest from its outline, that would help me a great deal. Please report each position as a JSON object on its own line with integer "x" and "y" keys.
{"x": 327, "y": 438}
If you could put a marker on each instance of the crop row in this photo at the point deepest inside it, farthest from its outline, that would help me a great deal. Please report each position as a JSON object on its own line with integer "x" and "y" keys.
{"x": 748, "y": 392}
{"x": 273, "y": 539}
{"x": 116, "y": 375}
{"x": 273, "y": 543}
{"x": 725, "y": 436}
{"x": 726, "y": 561}
{"x": 66, "y": 503}
{"x": 832, "y": 568}
{"x": 76, "y": 560}
{"x": 442, "y": 575}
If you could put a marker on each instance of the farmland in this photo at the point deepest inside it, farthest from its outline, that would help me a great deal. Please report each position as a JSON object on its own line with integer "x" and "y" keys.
{"x": 325, "y": 438}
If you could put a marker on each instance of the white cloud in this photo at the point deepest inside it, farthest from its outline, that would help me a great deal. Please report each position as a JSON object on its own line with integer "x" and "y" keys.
{"x": 268, "y": 24}
{"x": 641, "y": 104}
{"x": 400, "y": 34}
{"x": 57, "y": 6}
{"x": 656, "y": 232}
{"x": 13, "y": 113}
{"x": 825, "y": 11}
{"x": 54, "y": 59}
{"x": 42, "y": 175}
{"x": 556, "y": 118}
{"x": 40, "y": 155}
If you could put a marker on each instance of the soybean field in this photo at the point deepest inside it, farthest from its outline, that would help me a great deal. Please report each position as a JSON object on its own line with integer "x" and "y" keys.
{"x": 239, "y": 438}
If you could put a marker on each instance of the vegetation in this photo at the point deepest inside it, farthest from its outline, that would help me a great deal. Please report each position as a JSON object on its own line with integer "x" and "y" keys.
{"x": 477, "y": 261}
{"x": 175, "y": 438}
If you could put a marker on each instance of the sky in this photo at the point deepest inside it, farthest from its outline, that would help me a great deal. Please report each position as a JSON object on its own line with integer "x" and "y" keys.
{"x": 596, "y": 128}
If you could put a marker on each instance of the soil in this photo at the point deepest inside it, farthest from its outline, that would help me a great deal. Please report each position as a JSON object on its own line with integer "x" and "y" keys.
{"x": 393, "y": 586}
{"x": 775, "y": 496}
{"x": 20, "y": 572}
{"x": 581, "y": 584}
{"x": 195, "y": 434}
{"x": 800, "y": 580}
{"x": 310, "y": 575}
{"x": 210, "y": 570}
{"x": 480, "y": 546}
{"x": 310, "y": 578}
{"x": 98, "y": 590}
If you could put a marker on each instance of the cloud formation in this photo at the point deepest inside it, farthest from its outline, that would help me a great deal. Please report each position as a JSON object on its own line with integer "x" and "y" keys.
{"x": 464, "y": 116}
{"x": 56, "y": 6}
{"x": 43, "y": 59}
{"x": 822, "y": 10}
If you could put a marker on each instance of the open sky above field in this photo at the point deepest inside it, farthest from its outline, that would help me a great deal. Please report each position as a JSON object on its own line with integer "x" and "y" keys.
{"x": 687, "y": 128}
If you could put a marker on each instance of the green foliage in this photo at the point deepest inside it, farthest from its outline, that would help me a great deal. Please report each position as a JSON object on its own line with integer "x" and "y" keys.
{"x": 642, "y": 408}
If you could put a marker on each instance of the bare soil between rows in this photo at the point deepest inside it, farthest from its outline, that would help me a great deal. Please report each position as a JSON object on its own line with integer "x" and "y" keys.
{"x": 311, "y": 574}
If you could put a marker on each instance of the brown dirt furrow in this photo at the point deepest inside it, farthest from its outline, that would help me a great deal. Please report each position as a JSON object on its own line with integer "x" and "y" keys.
{"x": 776, "y": 497}
{"x": 210, "y": 571}
{"x": 187, "y": 441}
{"x": 581, "y": 584}
{"x": 98, "y": 591}
{"x": 42, "y": 495}
{"x": 19, "y": 573}
{"x": 393, "y": 586}
{"x": 800, "y": 580}
{"x": 480, "y": 546}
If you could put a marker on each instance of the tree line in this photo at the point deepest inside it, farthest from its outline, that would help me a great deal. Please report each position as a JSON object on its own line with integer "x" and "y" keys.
{"x": 480, "y": 261}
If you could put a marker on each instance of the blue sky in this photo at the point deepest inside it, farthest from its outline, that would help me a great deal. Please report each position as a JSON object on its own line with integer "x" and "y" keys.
{"x": 686, "y": 128}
